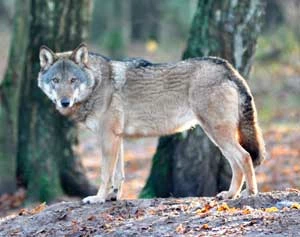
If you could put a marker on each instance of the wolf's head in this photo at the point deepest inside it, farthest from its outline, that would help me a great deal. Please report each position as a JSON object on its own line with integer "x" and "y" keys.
{"x": 65, "y": 77}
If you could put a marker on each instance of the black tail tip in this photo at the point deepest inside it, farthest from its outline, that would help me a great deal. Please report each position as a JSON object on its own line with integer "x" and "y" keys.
{"x": 257, "y": 157}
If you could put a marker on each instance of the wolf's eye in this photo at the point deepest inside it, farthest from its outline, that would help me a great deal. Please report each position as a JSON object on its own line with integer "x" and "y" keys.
{"x": 73, "y": 80}
{"x": 55, "y": 80}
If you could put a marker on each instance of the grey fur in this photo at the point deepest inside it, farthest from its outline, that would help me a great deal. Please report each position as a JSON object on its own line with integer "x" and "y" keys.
{"x": 137, "y": 98}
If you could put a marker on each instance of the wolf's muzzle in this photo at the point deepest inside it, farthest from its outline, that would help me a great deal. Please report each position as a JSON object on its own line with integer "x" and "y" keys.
{"x": 65, "y": 102}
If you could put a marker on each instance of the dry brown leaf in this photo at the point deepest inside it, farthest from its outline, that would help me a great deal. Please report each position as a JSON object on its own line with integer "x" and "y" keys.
{"x": 294, "y": 190}
{"x": 207, "y": 207}
{"x": 205, "y": 227}
{"x": 271, "y": 209}
{"x": 246, "y": 211}
{"x": 23, "y": 212}
{"x": 91, "y": 218}
{"x": 107, "y": 217}
{"x": 33, "y": 211}
{"x": 139, "y": 213}
{"x": 38, "y": 208}
{"x": 224, "y": 207}
{"x": 295, "y": 205}
{"x": 180, "y": 229}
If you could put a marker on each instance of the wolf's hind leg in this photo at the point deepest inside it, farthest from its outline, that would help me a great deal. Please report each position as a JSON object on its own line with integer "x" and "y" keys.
{"x": 224, "y": 136}
{"x": 239, "y": 159}
{"x": 236, "y": 184}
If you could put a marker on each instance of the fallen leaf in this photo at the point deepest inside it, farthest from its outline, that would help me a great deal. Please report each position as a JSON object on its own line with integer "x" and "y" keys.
{"x": 180, "y": 229}
{"x": 294, "y": 190}
{"x": 224, "y": 207}
{"x": 246, "y": 211}
{"x": 207, "y": 207}
{"x": 271, "y": 209}
{"x": 107, "y": 217}
{"x": 295, "y": 205}
{"x": 139, "y": 213}
{"x": 33, "y": 211}
{"x": 91, "y": 218}
{"x": 205, "y": 227}
{"x": 38, "y": 208}
{"x": 23, "y": 212}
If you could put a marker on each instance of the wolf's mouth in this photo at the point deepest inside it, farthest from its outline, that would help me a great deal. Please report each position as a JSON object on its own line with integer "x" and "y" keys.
{"x": 65, "y": 111}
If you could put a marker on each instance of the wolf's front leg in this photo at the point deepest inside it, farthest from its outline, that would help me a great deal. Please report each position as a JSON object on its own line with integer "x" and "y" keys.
{"x": 115, "y": 187}
{"x": 111, "y": 145}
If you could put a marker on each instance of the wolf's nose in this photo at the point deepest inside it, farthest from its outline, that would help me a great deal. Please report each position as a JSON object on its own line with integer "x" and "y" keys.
{"x": 65, "y": 102}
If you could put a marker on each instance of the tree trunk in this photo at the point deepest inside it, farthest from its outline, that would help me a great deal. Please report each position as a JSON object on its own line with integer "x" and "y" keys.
{"x": 195, "y": 167}
{"x": 145, "y": 19}
{"x": 117, "y": 35}
{"x": 9, "y": 95}
{"x": 46, "y": 162}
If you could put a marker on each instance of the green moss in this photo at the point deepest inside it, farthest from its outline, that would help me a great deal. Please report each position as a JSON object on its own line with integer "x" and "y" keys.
{"x": 147, "y": 192}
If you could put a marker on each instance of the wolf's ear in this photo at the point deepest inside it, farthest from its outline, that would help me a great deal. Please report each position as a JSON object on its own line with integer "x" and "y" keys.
{"x": 80, "y": 55}
{"x": 46, "y": 57}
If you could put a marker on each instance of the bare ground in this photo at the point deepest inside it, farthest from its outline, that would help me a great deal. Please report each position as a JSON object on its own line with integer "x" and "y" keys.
{"x": 273, "y": 214}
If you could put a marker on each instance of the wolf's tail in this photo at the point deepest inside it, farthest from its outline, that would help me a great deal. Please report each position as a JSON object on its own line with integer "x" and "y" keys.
{"x": 250, "y": 136}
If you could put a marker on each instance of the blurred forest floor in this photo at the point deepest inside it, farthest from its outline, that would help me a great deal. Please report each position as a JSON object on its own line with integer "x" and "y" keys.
{"x": 275, "y": 83}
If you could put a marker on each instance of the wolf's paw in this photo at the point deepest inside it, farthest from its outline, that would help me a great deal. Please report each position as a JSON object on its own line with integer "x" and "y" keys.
{"x": 93, "y": 199}
{"x": 113, "y": 195}
{"x": 226, "y": 195}
{"x": 246, "y": 192}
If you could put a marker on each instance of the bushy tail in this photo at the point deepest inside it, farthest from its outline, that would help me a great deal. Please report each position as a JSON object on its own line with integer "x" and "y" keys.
{"x": 249, "y": 132}
{"x": 250, "y": 136}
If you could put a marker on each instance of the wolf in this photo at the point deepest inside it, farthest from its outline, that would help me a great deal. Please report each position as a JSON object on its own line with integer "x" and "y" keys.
{"x": 135, "y": 98}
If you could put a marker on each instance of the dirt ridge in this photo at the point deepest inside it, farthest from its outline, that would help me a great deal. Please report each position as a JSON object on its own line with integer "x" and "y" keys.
{"x": 275, "y": 213}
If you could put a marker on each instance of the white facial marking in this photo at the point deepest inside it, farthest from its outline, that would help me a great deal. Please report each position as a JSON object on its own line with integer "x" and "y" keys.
{"x": 82, "y": 87}
{"x": 49, "y": 92}
{"x": 75, "y": 97}
{"x": 71, "y": 102}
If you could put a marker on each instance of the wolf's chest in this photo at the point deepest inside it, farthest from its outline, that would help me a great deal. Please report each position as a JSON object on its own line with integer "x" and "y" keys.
{"x": 92, "y": 123}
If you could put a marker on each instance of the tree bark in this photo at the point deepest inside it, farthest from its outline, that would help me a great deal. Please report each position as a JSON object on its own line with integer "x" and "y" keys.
{"x": 111, "y": 26}
{"x": 46, "y": 161}
{"x": 117, "y": 34}
{"x": 145, "y": 19}
{"x": 224, "y": 28}
{"x": 9, "y": 95}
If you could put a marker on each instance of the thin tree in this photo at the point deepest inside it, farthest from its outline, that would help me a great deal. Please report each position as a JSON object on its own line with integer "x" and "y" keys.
{"x": 46, "y": 163}
{"x": 9, "y": 95}
{"x": 189, "y": 164}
